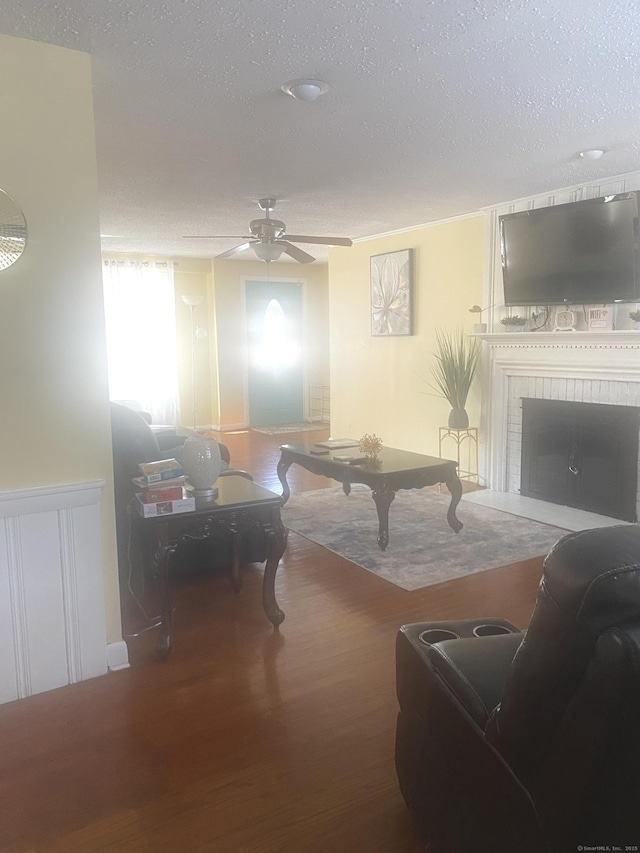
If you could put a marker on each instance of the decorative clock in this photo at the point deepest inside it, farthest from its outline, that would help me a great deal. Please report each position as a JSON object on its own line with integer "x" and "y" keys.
{"x": 565, "y": 321}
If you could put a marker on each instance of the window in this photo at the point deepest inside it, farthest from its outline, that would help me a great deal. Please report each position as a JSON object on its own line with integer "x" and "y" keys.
{"x": 141, "y": 337}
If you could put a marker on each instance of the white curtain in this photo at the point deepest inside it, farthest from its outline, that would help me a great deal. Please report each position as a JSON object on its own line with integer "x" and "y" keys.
{"x": 141, "y": 337}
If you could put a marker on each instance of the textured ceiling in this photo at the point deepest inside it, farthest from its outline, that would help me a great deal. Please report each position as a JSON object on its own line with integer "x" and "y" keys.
{"x": 435, "y": 108}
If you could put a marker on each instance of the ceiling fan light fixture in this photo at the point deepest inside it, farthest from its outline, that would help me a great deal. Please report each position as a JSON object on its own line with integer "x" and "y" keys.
{"x": 305, "y": 89}
{"x": 268, "y": 251}
{"x": 592, "y": 153}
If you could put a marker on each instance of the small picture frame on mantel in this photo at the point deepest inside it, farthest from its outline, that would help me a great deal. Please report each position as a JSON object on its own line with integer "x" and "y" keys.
{"x": 391, "y": 293}
{"x": 599, "y": 318}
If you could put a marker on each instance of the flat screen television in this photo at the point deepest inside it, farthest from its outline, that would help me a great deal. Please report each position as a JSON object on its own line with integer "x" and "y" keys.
{"x": 585, "y": 252}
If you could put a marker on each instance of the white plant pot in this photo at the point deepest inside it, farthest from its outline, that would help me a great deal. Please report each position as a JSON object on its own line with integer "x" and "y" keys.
{"x": 202, "y": 465}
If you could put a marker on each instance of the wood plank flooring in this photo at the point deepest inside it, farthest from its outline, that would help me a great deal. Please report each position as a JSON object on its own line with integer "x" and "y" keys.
{"x": 248, "y": 740}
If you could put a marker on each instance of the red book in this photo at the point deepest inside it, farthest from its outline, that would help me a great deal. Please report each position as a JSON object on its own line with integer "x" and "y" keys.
{"x": 169, "y": 493}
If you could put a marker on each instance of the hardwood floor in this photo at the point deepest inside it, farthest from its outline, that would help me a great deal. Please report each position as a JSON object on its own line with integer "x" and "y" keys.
{"x": 247, "y": 739}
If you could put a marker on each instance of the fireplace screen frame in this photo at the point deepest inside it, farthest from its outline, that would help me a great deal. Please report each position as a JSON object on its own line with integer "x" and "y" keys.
{"x": 582, "y": 455}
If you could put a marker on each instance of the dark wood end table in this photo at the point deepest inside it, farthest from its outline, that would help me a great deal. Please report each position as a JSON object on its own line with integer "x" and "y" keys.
{"x": 391, "y": 471}
{"x": 240, "y": 507}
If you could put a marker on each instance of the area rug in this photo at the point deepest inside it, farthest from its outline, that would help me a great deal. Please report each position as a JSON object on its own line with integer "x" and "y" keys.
{"x": 422, "y": 549}
{"x": 283, "y": 428}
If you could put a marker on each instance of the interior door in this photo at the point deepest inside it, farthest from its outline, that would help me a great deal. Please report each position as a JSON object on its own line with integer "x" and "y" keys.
{"x": 274, "y": 337}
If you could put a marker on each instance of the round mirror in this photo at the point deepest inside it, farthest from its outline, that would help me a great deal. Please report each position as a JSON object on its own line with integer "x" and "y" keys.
{"x": 13, "y": 231}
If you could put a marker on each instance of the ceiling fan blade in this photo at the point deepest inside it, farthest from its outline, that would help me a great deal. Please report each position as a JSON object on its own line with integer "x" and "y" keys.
{"x": 236, "y": 249}
{"x": 327, "y": 241}
{"x": 296, "y": 253}
{"x": 215, "y": 237}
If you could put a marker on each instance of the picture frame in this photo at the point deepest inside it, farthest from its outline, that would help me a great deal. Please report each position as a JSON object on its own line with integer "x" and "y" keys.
{"x": 599, "y": 318}
{"x": 391, "y": 283}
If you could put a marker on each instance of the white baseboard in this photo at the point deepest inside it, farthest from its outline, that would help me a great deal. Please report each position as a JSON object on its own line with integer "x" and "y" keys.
{"x": 117, "y": 656}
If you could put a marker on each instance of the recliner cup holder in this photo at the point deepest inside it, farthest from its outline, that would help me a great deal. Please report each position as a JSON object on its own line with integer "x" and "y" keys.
{"x": 489, "y": 630}
{"x": 437, "y": 635}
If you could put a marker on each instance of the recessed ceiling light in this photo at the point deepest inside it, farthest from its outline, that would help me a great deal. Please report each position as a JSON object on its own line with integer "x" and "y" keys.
{"x": 305, "y": 90}
{"x": 592, "y": 153}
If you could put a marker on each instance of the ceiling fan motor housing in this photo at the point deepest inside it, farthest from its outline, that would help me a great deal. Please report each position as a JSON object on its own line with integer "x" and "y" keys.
{"x": 267, "y": 229}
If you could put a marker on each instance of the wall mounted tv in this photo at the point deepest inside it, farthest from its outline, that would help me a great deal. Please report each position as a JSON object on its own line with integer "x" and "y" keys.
{"x": 585, "y": 252}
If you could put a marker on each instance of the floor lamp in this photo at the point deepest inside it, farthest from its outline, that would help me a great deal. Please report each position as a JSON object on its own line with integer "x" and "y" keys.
{"x": 192, "y": 300}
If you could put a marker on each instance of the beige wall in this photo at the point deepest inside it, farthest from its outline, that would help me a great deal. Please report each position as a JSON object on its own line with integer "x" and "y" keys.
{"x": 55, "y": 423}
{"x": 228, "y": 289}
{"x": 378, "y": 383}
{"x": 192, "y": 276}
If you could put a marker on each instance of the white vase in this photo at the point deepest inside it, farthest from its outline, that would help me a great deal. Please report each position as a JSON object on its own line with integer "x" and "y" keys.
{"x": 202, "y": 465}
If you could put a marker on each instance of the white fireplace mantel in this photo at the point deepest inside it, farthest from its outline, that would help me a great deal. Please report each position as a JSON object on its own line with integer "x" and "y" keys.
{"x": 619, "y": 337}
{"x": 599, "y": 367}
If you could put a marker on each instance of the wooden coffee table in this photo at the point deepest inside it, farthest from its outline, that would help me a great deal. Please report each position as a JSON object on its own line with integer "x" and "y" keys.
{"x": 393, "y": 470}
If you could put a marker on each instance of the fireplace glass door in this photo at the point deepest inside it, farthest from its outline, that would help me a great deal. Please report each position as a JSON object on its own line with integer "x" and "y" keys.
{"x": 583, "y": 455}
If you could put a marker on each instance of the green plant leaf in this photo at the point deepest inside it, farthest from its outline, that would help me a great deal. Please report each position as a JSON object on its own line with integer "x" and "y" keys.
{"x": 457, "y": 359}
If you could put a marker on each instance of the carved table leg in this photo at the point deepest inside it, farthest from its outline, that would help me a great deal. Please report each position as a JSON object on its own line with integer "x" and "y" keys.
{"x": 236, "y": 559}
{"x": 283, "y": 467}
{"x": 165, "y": 633}
{"x": 276, "y": 544}
{"x": 455, "y": 487}
{"x": 383, "y": 499}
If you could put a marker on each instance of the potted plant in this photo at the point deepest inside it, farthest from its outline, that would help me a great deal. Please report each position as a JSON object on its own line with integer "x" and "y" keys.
{"x": 635, "y": 316}
{"x": 514, "y": 323}
{"x": 457, "y": 359}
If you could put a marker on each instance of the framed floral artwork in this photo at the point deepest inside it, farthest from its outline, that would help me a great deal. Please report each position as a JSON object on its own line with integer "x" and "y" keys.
{"x": 391, "y": 285}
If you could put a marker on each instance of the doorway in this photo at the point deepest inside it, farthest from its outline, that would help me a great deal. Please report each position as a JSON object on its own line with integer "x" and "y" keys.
{"x": 274, "y": 343}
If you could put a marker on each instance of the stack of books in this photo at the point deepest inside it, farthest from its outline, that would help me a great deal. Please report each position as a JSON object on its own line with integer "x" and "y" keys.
{"x": 162, "y": 489}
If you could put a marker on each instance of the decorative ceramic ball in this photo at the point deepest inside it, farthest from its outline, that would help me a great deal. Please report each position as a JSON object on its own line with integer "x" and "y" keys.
{"x": 202, "y": 464}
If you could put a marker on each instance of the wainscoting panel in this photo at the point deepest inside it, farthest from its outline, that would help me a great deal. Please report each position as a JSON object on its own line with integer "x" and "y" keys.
{"x": 52, "y": 620}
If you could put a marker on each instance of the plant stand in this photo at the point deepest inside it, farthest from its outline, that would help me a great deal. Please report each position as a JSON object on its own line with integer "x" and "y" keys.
{"x": 469, "y": 453}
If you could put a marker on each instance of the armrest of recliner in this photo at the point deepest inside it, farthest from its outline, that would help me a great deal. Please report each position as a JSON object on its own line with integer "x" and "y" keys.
{"x": 229, "y": 471}
{"x": 475, "y": 670}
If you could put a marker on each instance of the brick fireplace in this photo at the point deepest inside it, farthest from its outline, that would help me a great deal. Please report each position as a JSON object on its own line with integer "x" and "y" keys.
{"x": 590, "y": 367}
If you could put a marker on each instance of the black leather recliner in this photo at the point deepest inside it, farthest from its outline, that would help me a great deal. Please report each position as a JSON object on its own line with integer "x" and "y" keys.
{"x": 509, "y": 742}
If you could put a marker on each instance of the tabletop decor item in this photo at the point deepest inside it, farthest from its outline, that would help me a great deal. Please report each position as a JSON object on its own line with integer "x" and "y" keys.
{"x": 370, "y": 445}
{"x": 565, "y": 321}
{"x": 514, "y": 323}
{"x": 202, "y": 464}
{"x": 457, "y": 358}
{"x": 599, "y": 318}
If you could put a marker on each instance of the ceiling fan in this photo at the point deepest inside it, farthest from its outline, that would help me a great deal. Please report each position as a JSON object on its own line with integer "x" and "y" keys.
{"x": 267, "y": 237}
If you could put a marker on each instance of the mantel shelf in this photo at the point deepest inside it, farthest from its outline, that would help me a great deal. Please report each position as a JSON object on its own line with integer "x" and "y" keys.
{"x": 607, "y": 338}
